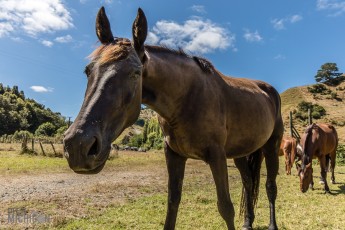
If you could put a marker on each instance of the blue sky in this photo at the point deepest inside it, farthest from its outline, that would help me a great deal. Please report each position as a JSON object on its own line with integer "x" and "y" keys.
{"x": 44, "y": 43}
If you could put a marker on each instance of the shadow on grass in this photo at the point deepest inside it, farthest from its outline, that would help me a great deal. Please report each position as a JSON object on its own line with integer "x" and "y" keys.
{"x": 340, "y": 190}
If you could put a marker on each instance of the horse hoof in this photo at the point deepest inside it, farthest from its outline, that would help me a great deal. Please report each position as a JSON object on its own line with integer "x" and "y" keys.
{"x": 333, "y": 181}
{"x": 321, "y": 182}
{"x": 272, "y": 227}
{"x": 247, "y": 228}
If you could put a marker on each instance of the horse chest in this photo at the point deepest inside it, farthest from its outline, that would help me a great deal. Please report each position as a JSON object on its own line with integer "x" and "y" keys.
{"x": 182, "y": 140}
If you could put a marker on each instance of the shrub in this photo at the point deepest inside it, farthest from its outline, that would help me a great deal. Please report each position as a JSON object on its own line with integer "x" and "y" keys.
{"x": 136, "y": 140}
{"x": 20, "y": 135}
{"x": 319, "y": 89}
{"x": 46, "y": 129}
{"x": 341, "y": 155}
{"x": 317, "y": 111}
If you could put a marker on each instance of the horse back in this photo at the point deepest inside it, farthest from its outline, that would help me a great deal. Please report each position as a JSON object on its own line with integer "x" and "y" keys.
{"x": 329, "y": 138}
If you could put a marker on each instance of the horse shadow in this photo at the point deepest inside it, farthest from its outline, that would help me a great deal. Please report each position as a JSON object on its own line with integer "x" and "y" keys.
{"x": 340, "y": 190}
{"x": 333, "y": 192}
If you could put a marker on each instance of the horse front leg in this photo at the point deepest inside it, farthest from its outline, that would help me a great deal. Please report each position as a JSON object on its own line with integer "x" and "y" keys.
{"x": 242, "y": 165}
{"x": 217, "y": 161}
{"x": 176, "y": 166}
{"x": 323, "y": 166}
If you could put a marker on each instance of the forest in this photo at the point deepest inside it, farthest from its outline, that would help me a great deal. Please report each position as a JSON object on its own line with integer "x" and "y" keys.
{"x": 21, "y": 114}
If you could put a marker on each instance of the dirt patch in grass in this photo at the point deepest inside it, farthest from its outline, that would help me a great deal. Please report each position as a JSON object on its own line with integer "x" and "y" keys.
{"x": 131, "y": 193}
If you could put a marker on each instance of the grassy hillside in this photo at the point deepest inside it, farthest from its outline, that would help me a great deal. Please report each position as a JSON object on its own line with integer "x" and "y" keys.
{"x": 332, "y": 100}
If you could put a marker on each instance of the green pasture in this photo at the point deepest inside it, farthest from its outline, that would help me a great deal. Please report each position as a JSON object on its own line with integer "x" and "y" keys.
{"x": 295, "y": 210}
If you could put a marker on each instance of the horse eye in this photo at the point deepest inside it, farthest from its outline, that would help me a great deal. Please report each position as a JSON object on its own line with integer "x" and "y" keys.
{"x": 87, "y": 70}
{"x": 136, "y": 74}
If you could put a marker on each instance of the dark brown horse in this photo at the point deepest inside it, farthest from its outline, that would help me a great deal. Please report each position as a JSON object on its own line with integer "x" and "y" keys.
{"x": 203, "y": 114}
{"x": 291, "y": 151}
{"x": 318, "y": 141}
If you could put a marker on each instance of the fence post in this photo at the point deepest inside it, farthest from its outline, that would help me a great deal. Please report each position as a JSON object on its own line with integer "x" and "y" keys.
{"x": 291, "y": 125}
{"x": 44, "y": 154}
{"x": 51, "y": 143}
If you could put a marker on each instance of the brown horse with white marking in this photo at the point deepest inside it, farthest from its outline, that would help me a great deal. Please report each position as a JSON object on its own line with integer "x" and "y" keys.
{"x": 203, "y": 114}
{"x": 318, "y": 141}
{"x": 290, "y": 150}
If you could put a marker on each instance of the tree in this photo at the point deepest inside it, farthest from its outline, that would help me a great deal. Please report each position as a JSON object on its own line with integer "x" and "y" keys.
{"x": 329, "y": 74}
{"x": 46, "y": 129}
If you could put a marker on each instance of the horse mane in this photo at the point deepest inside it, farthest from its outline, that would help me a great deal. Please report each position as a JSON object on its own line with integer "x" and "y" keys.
{"x": 114, "y": 51}
{"x": 204, "y": 64}
{"x": 120, "y": 48}
{"x": 309, "y": 132}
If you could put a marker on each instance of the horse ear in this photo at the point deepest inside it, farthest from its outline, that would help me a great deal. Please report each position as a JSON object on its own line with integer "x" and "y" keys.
{"x": 139, "y": 32}
{"x": 103, "y": 29}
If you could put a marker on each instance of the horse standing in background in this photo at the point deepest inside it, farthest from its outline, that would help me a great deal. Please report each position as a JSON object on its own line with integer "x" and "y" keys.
{"x": 318, "y": 141}
{"x": 291, "y": 151}
{"x": 203, "y": 114}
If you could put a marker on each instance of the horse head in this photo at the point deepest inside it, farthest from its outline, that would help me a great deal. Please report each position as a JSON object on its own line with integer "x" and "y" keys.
{"x": 112, "y": 99}
{"x": 305, "y": 174}
{"x": 306, "y": 149}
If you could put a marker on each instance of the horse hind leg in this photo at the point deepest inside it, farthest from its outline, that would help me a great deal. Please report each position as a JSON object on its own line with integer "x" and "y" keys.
{"x": 270, "y": 150}
{"x": 333, "y": 158}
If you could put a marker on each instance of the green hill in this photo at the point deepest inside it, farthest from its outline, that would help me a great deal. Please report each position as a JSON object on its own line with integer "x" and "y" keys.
{"x": 20, "y": 113}
{"x": 331, "y": 98}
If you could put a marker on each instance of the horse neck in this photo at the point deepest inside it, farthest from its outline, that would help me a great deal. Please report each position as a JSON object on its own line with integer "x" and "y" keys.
{"x": 309, "y": 144}
{"x": 168, "y": 78}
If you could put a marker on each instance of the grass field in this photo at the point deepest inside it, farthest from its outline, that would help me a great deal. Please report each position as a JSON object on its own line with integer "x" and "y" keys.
{"x": 142, "y": 203}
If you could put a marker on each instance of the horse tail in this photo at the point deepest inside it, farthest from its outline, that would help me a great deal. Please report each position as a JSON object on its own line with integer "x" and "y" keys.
{"x": 254, "y": 161}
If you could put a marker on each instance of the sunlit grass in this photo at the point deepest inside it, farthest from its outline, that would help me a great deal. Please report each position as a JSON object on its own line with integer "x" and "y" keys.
{"x": 14, "y": 163}
{"x": 198, "y": 209}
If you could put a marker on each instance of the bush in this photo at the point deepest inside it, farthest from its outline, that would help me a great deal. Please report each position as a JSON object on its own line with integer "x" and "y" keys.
{"x": 317, "y": 111}
{"x": 319, "y": 89}
{"x": 20, "y": 135}
{"x": 341, "y": 155}
{"x": 136, "y": 140}
{"x": 46, "y": 129}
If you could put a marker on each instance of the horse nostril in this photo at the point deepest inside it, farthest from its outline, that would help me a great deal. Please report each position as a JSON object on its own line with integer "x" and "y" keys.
{"x": 93, "y": 150}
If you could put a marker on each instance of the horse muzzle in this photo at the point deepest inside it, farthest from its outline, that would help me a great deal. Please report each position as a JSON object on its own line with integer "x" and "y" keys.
{"x": 84, "y": 152}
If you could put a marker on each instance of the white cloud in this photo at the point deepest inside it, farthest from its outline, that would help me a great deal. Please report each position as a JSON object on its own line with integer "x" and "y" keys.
{"x": 195, "y": 35}
{"x": 199, "y": 8}
{"x": 336, "y": 7}
{"x": 47, "y": 43}
{"x": 252, "y": 36}
{"x": 41, "y": 89}
{"x": 279, "y": 24}
{"x": 64, "y": 39}
{"x": 295, "y": 18}
{"x": 279, "y": 57}
{"x": 5, "y": 28}
{"x": 33, "y": 17}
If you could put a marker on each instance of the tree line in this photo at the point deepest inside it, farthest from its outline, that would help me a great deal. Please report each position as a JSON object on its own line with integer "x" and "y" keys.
{"x": 18, "y": 113}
